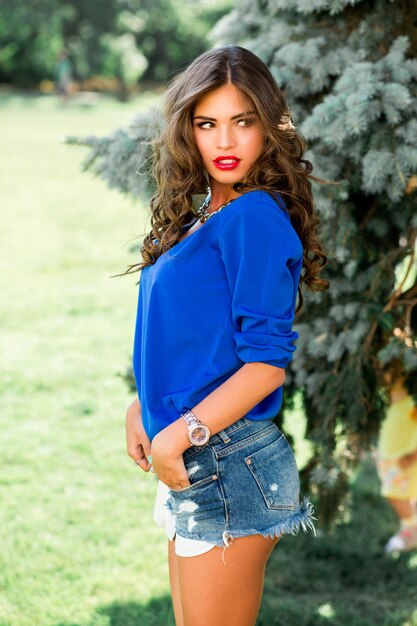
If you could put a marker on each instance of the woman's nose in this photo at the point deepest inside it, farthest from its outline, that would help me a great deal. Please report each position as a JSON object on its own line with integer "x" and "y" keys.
{"x": 225, "y": 138}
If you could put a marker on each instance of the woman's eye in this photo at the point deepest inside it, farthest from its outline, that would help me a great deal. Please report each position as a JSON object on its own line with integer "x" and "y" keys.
{"x": 246, "y": 122}
{"x": 203, "y": 124}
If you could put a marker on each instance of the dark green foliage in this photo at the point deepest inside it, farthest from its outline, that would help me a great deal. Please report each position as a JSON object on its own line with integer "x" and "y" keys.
{"x": 172, "y": 33}
{"x": 122, "y": 39}
{"x": 30, "y": 39}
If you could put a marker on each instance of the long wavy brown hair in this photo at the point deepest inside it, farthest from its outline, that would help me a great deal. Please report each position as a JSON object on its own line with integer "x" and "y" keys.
{"x": 178, "y": 170}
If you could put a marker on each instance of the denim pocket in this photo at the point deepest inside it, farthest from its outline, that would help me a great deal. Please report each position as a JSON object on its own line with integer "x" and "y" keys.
{"x": 199, "y": 483}
{"x": 246, "y": 437}
{"x": 275, "y": 471}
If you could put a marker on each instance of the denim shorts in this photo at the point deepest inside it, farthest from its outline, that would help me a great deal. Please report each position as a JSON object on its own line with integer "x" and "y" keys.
{"x": 244, "y": 481}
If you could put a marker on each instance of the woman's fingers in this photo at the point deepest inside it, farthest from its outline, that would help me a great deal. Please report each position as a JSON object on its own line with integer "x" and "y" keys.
{"x": 146, "y": 445}
{"x": 138, "y": 455}
{"x": 179, "y": 484}
{"x": 137, "y": 441}
{"x": 135, "y": 450}
{"x": 176, "y": 480}
{"x": 147, "y": 457}
{"x": 142, "y": 463}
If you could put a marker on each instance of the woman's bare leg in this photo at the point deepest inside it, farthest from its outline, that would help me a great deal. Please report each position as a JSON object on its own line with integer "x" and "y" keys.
{"x": 229, "y": 593}
{"x": 175, "y": 584}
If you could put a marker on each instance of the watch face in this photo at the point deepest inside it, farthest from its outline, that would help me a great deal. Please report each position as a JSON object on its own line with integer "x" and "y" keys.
{"x": 199, "y": 435}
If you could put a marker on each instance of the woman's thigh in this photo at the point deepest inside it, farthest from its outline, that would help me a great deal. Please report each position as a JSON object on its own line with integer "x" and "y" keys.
{"x": 174, "y": 584}
{"x": 217, "y": 592}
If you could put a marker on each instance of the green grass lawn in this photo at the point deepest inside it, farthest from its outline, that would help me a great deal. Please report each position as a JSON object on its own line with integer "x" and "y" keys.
{"x": 78, "y": 544}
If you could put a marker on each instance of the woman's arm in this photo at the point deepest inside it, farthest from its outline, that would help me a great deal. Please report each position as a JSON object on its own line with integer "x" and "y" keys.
{"x": 225, "y": 405}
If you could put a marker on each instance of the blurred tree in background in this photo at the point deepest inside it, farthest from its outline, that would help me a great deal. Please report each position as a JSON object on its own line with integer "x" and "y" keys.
{"x": 30, "y": 39}
{"x": 122, "y": 39}
{"x": 349, "y": 72}
{"x": 170, "y": 33}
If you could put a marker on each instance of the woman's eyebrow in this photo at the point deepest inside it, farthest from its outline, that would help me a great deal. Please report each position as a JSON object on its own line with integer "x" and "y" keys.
{"x": 212, "y": 119}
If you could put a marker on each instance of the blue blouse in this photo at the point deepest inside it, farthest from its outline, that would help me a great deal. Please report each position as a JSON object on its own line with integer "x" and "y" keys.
{"x": 223, "y": 296}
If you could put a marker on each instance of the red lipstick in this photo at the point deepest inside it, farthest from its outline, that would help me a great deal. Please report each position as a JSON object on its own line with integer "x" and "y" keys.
{"x": 226, "y": 162}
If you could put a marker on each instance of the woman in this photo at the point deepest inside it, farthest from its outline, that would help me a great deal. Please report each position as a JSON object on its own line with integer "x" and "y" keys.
{"x": 214, "y": 331}
{"x": 396, "y": 458}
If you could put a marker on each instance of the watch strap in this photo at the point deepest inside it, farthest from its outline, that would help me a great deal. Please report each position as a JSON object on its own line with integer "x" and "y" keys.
{"x": 190, "y": 418}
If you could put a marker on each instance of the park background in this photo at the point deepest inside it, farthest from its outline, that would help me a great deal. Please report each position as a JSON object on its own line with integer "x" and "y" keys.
{"x": 78, "y": 544}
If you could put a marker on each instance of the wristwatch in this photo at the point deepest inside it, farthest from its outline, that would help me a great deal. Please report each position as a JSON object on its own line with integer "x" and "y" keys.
{"x": 197, "y": 433}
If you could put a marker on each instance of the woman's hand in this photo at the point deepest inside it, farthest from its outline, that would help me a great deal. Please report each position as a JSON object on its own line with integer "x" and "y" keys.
{"x": 138, "y": 444}
{"x": 168, "y": 461}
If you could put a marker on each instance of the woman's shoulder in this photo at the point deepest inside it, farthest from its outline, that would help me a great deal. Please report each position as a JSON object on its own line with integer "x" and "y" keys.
{"x": 256, "y": 198}
{"x": 260, "y": 210}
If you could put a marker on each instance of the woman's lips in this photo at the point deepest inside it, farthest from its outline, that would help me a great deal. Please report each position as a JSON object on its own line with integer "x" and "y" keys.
{"x": 227, "y": 163}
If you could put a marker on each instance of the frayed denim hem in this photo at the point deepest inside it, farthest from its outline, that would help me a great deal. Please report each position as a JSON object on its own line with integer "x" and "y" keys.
{"x": 291, "y": 525}
{"x": 303, "y": 517}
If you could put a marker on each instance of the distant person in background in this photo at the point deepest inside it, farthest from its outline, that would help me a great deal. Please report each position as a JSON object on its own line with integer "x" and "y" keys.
{"x": 63, "y": 76}
{"x": 396, "y": 458}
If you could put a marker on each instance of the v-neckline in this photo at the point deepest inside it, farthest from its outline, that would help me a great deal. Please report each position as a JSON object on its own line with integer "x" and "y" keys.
{"x": 202, "y": 225}
{"x": 190, "y": 225}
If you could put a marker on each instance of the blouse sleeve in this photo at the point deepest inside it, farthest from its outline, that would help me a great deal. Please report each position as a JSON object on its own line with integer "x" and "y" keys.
{"x": 262, "y": 256}
{"x": 137, "y": 340}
